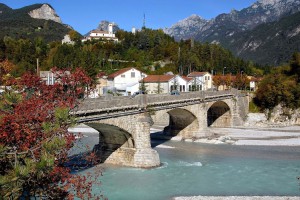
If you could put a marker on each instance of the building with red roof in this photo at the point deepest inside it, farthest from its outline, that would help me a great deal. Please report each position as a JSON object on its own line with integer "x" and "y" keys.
{"x": 125, "y": 81}
{"x": 156, "y": 84}
{"x": 200, "y": 81}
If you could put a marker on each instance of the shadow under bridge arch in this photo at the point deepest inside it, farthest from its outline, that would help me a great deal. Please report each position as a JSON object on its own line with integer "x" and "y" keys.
{"x": 113, "y": 143}
{"x": 219, "y": 115}
{"x": 181, "y": 123}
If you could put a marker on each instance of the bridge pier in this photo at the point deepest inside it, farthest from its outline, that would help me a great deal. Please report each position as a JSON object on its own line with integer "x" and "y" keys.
{"x": 144, "y": 156}
{"x": 126, "y": 141}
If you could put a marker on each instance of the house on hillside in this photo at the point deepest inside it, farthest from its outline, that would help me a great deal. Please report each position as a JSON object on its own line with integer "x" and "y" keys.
{"x": 102, "y": 35}
{"x": 200, "y": 81}
{"x": 162, "y": 84}
{"x": 67, "y": 40}
{"x": 125, "y": 81}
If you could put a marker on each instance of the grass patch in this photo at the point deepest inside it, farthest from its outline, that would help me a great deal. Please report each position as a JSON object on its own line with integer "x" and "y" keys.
{"x": 253, "y": 108}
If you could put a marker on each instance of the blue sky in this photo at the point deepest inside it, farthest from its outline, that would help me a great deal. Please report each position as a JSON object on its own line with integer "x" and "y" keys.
{"x": 85, "y": 15}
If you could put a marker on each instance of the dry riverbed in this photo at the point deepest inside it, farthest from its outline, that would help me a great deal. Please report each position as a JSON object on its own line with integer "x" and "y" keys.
{"x": 279, "y": 136}
{"x": 264, "y": 136}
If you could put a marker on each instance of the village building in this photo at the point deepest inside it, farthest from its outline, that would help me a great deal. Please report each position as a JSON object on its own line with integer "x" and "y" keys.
{"x": 67, "y": 40}
{"x": 253, "y": 84}
{"x": 162, "y": 84}
{"x": 101, "y": 86}
{"x": 200, "y": 81}
{"x": 48, "y": 77}
{"x": 125, "y": 81}
{"x": 102, "y": 35}
{"x": 51, "y": 78}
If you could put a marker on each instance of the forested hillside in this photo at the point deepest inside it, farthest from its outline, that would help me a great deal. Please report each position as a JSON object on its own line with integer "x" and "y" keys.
{"x": 149, "y": 50}
{"x": 18, "y": 24}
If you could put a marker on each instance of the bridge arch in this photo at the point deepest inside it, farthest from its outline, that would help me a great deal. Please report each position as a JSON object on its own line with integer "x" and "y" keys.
{"x": 181, "y": 122}
{"x": 112, "y": 140}
{"x": 219, "y": 114}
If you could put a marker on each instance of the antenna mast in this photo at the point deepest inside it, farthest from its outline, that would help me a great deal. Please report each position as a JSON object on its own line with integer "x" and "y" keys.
{"x": 144, "y": 21}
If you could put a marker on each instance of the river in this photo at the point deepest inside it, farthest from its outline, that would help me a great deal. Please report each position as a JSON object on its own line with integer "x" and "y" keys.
{"x": 204, "y": 169}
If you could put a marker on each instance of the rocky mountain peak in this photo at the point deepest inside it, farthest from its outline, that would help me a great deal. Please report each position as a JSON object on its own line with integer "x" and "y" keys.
{"x": 195, "y": 17}
{"x": 103, "y": 25}
{"x": 236, "y": 29}
{"x": 45, "y": 12}
{"x": 187, "y": 27}
{"x": 268, "y": 2}
{"x": 262, "y": 11}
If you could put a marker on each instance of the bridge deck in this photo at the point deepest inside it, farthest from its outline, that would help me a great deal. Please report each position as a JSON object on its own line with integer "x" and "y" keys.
{"x": 108, "y": 107}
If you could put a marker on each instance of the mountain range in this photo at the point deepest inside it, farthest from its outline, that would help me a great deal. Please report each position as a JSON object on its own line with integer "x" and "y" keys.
{"x": 267, "y": 32}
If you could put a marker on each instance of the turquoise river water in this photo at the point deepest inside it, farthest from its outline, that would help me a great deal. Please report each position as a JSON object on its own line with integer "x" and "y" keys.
{"x": 201, "y": 169}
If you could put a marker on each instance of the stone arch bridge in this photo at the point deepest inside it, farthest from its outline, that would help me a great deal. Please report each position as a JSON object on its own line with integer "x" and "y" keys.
{"x": 124, "y": 123}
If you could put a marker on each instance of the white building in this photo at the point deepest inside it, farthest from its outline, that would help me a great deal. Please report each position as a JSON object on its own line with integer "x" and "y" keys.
{"x": 67, "y": 40}
{"x": 51, "y": 78}
{"x": 48, "y": 77}
{"x": 126, "y": 81}
{"x": 102, "y": 35}
{"x": 164, "y": 84}
{"x": 253, "y": 83}
{"x": 200, "y": 81}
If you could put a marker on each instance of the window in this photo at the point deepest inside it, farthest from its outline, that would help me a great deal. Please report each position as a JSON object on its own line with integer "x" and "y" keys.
{"x": 132, "y": 74}
{"x": 208, "y": 77}
{"x": 173, "y": 87}
{"x": 123, "y": 76}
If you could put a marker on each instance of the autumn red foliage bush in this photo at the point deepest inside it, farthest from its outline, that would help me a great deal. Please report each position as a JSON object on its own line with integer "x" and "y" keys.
{"x": 34, "y": 137}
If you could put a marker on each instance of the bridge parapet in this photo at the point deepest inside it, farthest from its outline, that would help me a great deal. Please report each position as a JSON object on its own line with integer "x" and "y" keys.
{"x": 107, "y": 107}
{"x": 157, "y": 102}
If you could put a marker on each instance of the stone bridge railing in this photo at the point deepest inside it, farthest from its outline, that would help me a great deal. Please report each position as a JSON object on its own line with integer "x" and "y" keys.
{"x": 109, "y": 106}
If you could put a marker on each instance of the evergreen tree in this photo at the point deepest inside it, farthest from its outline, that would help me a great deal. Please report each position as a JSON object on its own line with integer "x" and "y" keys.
{"x": 159, "y": 89}
{"x": 143, "y": 86}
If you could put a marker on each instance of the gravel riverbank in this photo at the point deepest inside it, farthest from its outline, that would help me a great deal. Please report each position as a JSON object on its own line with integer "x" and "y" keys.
{"x": 262, "y": 136}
